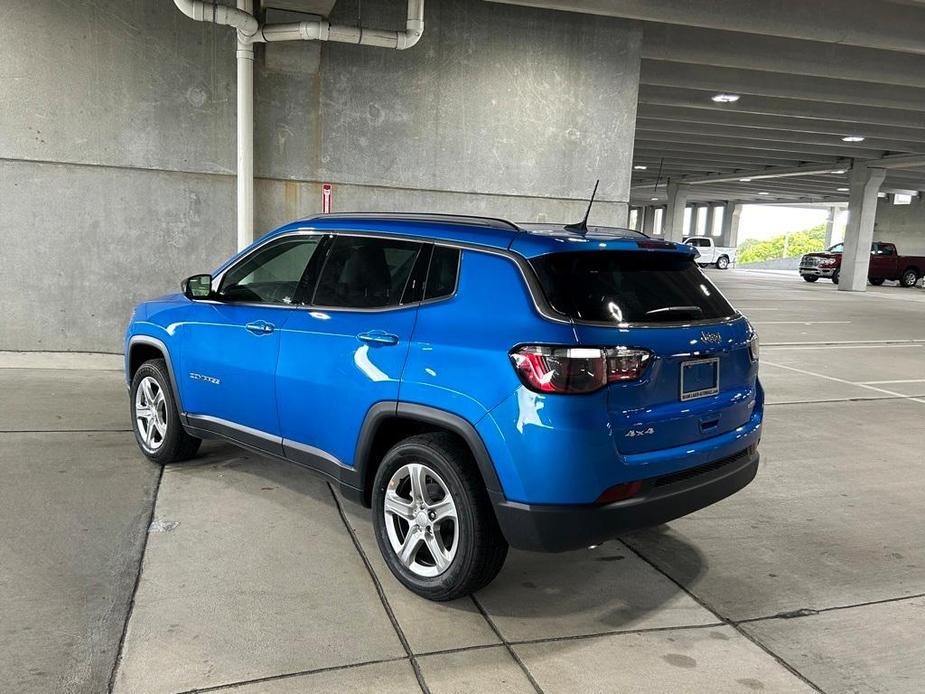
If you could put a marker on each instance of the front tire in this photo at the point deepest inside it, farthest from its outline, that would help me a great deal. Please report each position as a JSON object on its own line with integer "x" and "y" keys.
{"x": 722, "y": 263}
{"x": 809, "y": 278}
{"x": 433, "y": 520}
{"x": 909, "y": 278}
{"x": 876, "y": 281}
{"x": 835, "y": 277}
{"x": 155, "y": 418}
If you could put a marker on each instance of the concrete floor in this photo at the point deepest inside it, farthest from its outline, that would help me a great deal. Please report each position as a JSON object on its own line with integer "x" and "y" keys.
{"x": 254, "y": 577}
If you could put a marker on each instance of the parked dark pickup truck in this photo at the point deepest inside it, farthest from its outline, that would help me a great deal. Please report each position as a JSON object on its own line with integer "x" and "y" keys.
{"x": 885, "y": 264}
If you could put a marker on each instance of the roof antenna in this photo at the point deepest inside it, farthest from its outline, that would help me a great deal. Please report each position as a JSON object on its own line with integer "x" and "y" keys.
{"x": 582, "y": 226}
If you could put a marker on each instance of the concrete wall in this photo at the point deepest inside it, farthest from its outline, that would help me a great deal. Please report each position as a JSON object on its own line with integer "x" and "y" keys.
{"x": 117, "y": 140}
{"x": 904, "y": 225}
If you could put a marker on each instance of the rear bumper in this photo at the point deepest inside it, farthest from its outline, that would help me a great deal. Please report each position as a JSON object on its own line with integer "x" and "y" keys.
{"x": 561, "y": 528}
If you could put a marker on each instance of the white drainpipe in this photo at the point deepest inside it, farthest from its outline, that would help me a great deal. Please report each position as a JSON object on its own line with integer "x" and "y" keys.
{"x": 249, "y": 30}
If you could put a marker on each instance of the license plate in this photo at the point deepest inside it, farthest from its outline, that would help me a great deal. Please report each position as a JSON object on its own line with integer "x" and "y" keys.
{"x": 699, "y": 378}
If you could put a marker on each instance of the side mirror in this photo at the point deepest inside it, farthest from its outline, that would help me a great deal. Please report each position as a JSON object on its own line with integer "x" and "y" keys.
{"x": 197, "y": 287}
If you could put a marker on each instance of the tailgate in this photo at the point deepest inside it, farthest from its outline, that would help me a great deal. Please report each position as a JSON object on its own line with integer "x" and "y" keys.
{"x": 655, "y": 412}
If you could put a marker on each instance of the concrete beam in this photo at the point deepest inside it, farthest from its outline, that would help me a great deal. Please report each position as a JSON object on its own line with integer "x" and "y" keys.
{"x": 844, "y": 22}
{"x": 760, "y": 51}
{"x": 653, "y": 129}
{"x": 834, "y": 148}
{"x": 762, "y": 83}
{"x": 859, "y": 233}
{"x": 697, "y": 116}
{"x": 666, "y": 148}
{"x": 773, "y": 106}
{"x": 899, "y": 161}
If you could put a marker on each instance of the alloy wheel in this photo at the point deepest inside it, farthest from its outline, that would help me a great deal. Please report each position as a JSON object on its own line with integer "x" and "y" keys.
{"x": 151, "y": 413}
{"x": 421, "y": 520}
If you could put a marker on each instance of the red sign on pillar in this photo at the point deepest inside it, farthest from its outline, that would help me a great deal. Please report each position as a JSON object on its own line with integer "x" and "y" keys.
{"x": 326, "y": 198}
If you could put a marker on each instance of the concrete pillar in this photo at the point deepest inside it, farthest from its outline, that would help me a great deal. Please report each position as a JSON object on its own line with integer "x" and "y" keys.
{"x": 829, "y": 225}
{"x": 708, "y": 222}
{"x": 648, "y": 222}
{"x": 865, "y": 183}
{"x": 674, "y": 215}
{"x": 729, "y": 235}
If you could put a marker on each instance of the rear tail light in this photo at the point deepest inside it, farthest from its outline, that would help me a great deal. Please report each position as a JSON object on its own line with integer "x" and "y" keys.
{"x": 548, "y": 369}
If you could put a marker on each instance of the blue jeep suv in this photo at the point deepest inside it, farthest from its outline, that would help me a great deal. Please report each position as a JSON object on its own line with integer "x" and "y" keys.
{"x": 478, "y": 383}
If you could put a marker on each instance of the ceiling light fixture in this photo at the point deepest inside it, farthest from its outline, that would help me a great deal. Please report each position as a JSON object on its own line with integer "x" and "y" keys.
{"x": 840, "y": 171}
{"x": 725, "y": 98}
{"x": 640, "y": 167}
{"x": 763, "y": 193}
{"x": 852, "y": 138}
{"x": 745, "y": 180}
{"x": 842, "y": 190}
{"x": 653, "y": 198}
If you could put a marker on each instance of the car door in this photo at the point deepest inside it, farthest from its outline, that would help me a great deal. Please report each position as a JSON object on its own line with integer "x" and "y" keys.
{"x": 882, "y": 261}
{"x": 346, "y": 351}
{"x": 230, "y": 348}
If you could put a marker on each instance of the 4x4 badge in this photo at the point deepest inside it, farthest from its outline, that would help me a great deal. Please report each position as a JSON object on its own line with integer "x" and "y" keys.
{"x": 715, "y": 338}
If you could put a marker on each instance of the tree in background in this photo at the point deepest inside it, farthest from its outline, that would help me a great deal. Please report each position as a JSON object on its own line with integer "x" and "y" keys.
{"x": 807, "y": 241}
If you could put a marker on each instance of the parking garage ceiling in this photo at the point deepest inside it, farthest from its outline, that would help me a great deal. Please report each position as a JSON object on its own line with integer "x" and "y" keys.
{"x": 818, "y": 85}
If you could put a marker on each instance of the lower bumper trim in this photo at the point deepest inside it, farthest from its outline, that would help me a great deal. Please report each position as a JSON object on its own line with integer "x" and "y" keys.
{"x": 543, "y": 528}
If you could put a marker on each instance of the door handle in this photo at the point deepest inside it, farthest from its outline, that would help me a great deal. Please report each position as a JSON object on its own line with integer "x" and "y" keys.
{"x": 378, "y": 337}
{"x": 260, "y": 327}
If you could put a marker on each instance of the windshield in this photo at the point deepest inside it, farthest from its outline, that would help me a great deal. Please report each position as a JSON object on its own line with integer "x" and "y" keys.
{"x": 629, "y": 287}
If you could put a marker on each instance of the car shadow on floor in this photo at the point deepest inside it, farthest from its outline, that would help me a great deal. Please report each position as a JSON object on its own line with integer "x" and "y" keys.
{"x": 536, "y": 595}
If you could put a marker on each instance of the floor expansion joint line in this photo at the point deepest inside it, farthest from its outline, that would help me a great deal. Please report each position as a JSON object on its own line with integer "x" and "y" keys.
{"x": 381, "y": 592}
{"x": 289, "y": 675}
{"x": 141, "y": 563}
{"x": 520, "y": 663}
{"x": 824, "y": 402}
{"x": 700, "y": 601}
{"x": 64, "y": 431}
{"x": 834, "y": 608}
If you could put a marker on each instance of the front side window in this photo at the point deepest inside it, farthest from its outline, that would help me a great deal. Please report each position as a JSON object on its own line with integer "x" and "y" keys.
{"x": 629, "y": 287}
{"x": 837, "y": 248}
{"x": 365, "y": 272}
{"x": 271, "y": 274}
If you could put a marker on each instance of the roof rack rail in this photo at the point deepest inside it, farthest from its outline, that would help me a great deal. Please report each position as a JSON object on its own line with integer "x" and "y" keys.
{"x": 438, "y": 217}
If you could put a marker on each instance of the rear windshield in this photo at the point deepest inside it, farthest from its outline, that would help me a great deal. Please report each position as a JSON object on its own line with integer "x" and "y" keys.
{"x": 629, "y": 287}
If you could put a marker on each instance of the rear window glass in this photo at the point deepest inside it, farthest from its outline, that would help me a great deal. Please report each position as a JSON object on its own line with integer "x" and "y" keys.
{"x": 629, "y": 287}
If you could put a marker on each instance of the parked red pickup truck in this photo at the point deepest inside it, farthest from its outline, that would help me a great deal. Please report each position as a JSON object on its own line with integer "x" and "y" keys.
{"x": 885, "y": 264}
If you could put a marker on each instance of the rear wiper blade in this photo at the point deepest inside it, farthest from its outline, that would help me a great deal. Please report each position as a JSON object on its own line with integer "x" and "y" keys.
{"x": 678, "y": 309}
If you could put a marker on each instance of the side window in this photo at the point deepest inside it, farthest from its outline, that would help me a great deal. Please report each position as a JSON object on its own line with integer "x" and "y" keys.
{"x": 365, "y": 272}
{"x": 270, "y": 275}
{"x": 444, "y": 268}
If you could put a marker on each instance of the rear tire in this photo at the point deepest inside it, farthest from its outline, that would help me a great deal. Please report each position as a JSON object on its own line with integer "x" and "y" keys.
{"x": 835, "y": 277}
{"x": 155, "y": 419}
{"x": 722, "y": 263}
{"x": 809, "y": 278}
{"x": 419, "y": 481}
{"x": 909, "y": 277}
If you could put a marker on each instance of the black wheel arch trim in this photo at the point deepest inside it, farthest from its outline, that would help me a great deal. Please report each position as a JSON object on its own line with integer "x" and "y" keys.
{"x": 382, "y": 411}
{"x": 162, "y": 347}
